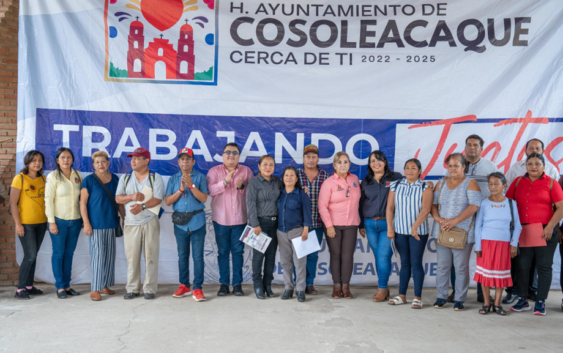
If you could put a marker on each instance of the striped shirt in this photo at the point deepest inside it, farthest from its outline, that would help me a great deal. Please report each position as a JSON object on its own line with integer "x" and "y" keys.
{"x": 408, "y": 204}
{"x": 314, "y": 189}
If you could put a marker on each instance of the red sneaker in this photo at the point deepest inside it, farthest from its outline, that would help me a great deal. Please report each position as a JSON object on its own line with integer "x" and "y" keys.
{"x": 182, "y": 291}
{"x": 198, "y": 295}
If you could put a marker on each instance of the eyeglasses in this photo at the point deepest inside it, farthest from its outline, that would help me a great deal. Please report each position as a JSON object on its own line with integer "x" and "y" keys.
{"x": 234, "y": 153}
{"x": 348, "y": 192}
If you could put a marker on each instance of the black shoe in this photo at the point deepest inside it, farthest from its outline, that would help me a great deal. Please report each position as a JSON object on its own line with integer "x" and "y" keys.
{"x": 509, "y": 298}
{"x": 287, "y": 294}
{"x": 268, "y": 291}
{"x": 130, "y": 295}
{"x": 259, "y": 293}
{"x": 62, "y": 295}
{"x": 533, "y": 296}
{"x": 451, "y": 298}
{"x": 237, "y": 290}
{"x": 22, "y": 295}
{"x": 561, "y": 305}
{"x": 300, "y": 296}
{"x": 34, "y": 291}
{"x": 223, "y": 290}
{"x": 150, "y": 295}
{"x": 72, "y": 292}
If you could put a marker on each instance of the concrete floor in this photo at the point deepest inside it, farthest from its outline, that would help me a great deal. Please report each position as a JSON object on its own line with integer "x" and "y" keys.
{"x": 235, "y": 324}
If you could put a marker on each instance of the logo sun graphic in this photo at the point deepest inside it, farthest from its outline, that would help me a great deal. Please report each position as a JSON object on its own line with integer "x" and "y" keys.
{"x": 162, "y": 14}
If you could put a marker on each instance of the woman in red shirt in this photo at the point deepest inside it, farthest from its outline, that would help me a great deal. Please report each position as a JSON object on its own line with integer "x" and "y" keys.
{"x": 339, "y": 201}
{"x": 535, "y": 194}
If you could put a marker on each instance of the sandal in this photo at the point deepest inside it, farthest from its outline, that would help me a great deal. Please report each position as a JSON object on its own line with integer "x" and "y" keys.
{"x": 416, "y": 304}
{"x": 499, "y": 310}
{"x": 396, "y": 301}
{"x": 485, "y": 309}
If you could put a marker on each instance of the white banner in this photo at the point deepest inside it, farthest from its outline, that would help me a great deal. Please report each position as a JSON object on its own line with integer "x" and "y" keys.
{"x": 411, "y": 78}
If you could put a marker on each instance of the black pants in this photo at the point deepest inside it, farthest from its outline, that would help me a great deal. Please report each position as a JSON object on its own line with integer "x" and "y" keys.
{"x": 532, "y": 277}
{"x": 31, "y": 243}
{"x": 267, "y": 260}
{"x": 544, "y": 263}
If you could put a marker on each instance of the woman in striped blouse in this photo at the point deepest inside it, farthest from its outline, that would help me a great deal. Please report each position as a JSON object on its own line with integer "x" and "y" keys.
{"x": 408, "y": 206}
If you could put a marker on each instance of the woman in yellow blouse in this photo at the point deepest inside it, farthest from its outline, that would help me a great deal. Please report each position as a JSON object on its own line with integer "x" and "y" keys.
{"x": 28, "y": 210}
{"x": 63, "y": 214}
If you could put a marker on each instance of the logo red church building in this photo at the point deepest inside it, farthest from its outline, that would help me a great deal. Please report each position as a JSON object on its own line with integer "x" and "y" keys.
{"x": 141, "y": 62}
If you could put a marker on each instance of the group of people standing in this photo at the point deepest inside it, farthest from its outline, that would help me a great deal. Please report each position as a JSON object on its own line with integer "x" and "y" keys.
{"x": 487, "y": 209}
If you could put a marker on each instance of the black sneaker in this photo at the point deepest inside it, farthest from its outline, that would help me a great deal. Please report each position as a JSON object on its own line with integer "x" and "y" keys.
{"x": 237, "y": 290}
{"x": 539, "y": 308}
{"x": 34, "y": 291}
{"x": 131, "y": 295}
{"x": 458, "y": 306}
{"x": 509, "y": 298}
{"x": 522, "y": 305}
{"x": 22, "y": 295}
{"x": 451, "y": 298}
{"x": 223, "y": 290}
{"x": 440, "y": 303}
{"x": 150, "y": 296}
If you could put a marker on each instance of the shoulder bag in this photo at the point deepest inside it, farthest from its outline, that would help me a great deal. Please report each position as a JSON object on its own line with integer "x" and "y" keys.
{"x": 455, "y": 238}
{"x": 118, "y": 230}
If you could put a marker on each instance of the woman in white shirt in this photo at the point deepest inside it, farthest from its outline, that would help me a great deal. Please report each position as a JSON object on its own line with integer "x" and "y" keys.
{"x": 63, "y": 214}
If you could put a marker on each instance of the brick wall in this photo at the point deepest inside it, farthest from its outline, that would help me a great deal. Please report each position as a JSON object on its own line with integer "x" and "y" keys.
{"x": 8, "y": 129}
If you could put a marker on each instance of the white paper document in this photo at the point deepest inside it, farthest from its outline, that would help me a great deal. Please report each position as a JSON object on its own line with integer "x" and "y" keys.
{"x": 259, "y": 242}
{"x": 148, "y": 196}
{"x": 309, "y": 246}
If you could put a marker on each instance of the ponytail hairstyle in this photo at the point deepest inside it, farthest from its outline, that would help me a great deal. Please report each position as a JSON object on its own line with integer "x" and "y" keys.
{"x": 59, "y": 152}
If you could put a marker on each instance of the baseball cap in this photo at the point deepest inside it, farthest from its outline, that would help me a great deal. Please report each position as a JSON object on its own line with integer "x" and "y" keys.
{"x": 311, "y": 148}
{"x": 187, "y": 151}
{"x": 140, "y": 152}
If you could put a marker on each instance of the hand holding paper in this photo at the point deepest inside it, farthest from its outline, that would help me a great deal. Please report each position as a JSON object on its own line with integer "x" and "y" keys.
{"x": 148, "y": 196}
{"x": 309, "y": 246}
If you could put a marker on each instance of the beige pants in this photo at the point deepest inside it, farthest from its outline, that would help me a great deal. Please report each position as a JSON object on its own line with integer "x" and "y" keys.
{"x": 144, "y": 238}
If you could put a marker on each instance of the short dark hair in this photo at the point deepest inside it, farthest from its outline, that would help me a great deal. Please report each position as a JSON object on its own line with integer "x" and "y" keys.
{"x": 27, "y": 160}
{"x": 498, "y": 175}
{"x": 298, "y": 183}
{"x": 231, "y": 144}
{"x": 536, "y": 155}
{"x": 416, "y": 162}
{"x": 535, "y": 139}
{"x": 475, "y": 137}
{"x": 459, "y": 156}
{"x": 380, "y": 156}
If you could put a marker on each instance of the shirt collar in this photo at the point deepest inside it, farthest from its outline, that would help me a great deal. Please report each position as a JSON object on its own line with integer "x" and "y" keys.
{"x": 526, "y": 176}
{"x": 227, "y": 171}
{"x": 295, "y": 191}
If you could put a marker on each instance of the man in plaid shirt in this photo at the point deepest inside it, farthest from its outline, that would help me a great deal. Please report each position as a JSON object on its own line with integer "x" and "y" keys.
{"x": 312, "y": 177}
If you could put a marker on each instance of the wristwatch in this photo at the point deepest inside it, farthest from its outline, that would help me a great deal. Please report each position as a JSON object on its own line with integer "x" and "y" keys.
{"x": 191, "y": 187}
{"x": 144, "y": 207}
{"x": 241, "y": 187}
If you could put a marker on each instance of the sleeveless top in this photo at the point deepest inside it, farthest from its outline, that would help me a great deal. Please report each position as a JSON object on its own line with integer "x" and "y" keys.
{"x": 408, "y": 204}
{"x": 453, "y": 202}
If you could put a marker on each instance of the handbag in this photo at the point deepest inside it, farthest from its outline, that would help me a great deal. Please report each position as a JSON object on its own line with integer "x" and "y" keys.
{"x": 118, "y": 230}
{"x": 455, "y": 238}
{"x": 183, "y": 218}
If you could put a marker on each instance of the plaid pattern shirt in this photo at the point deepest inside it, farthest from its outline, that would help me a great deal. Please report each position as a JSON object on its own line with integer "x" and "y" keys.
{"x": 314, "y": 189}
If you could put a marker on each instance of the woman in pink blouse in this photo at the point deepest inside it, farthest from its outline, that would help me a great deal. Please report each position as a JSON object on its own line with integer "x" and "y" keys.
{"x": 339, "y": 201}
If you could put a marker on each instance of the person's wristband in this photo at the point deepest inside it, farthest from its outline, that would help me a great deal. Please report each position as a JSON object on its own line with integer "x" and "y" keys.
{"x": 191, "y": 187}
{"x": 226, "y": 182}
{"x": 180, "y": 191}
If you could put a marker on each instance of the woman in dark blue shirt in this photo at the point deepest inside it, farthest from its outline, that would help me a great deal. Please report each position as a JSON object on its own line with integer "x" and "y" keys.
{"x": 294, "y": 220}
{"x": 101, "y": 223}
{"x": 373, "y": 224}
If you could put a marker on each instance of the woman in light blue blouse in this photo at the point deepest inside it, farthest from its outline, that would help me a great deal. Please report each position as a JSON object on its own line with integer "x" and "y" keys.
{"x": 408, "y": 206}
{"x": 497, "y": 231}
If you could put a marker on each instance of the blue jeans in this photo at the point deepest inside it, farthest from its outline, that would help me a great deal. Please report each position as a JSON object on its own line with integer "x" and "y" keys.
{"x": 376, "y": 232}
{"x": 64, "y": 244}
{"x": 411, "y": 252}
{"x": 183, "y": 238}
{"x": 227, "y": 238}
